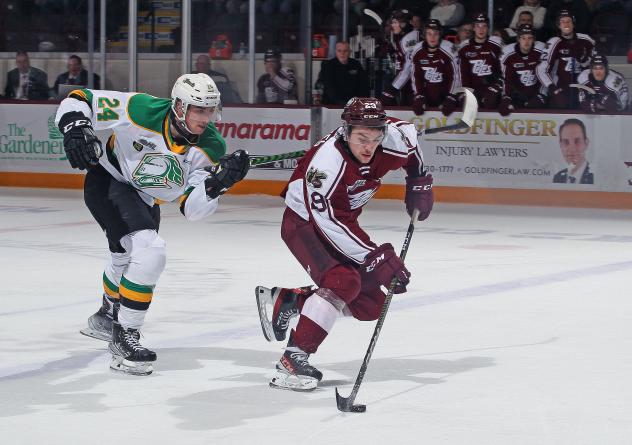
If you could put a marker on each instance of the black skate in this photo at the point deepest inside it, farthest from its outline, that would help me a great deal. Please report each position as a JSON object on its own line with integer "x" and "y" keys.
{"x": 294, "y": 371}
{"x": 128, "y": 355}
{"x": 284, "y": 304}
{"x": 100, "y": 323}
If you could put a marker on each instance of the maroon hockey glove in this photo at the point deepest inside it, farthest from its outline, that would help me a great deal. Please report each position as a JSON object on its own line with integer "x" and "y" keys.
{"x": 419, "y": 105}
{"x": 388, "y": 95}
{"x": 506, "y": 107}
{"x": 490, "y": 96}
{"x": 449, "y": 105}
{"x": 384, "y": 264}
{"x": 419, "y": 195}
{"x": 537, "y": 101}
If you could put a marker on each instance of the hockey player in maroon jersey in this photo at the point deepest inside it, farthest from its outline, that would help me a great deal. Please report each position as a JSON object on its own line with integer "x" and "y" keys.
{"x": 324, "y": 199}
{"x": 609, "y": 88}
{"x": 400, "y": 47}
{"x": 519, "y": 61}
{"x": 566, "y": 56}
{"x": 479, "y": 62}
{"x": 436, "y": 76}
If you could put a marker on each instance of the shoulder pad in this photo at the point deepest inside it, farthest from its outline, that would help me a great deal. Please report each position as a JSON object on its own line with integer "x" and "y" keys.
{"x": 496, "y": 41}
{"x": 583, "y": 77}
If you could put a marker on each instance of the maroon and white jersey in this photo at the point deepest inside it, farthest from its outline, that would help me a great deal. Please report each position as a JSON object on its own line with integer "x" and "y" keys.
{"x": 564, "y": 59}
{"x": 519, "y": 70}
{"x": 610, "y": 95}
{"x": 480, "y": 63}
{"x": 329, "y": 187}
{"x": 406, "y": 46}
{"x": 435, "y": 73}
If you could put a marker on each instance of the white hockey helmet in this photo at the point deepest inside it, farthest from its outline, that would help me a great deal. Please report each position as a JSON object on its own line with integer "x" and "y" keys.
{"x": 196, "y": 89}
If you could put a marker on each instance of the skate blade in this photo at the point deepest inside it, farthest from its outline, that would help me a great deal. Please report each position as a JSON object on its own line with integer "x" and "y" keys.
{"x": 119, "y": 364}
{"x": 291, "y": 382}
{"x": 99, "y": 335}
{"x": 264, "y": 298}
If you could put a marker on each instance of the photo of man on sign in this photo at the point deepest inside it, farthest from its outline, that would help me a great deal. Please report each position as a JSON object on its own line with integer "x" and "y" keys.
{"x": 573, "y": 144}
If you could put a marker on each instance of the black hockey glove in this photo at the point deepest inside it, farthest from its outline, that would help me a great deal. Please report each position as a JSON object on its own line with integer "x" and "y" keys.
{"x": 230, "y": 170}
{"x": 82, "y": 146}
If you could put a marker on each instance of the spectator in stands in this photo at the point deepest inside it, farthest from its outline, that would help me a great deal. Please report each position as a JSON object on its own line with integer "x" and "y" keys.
{"x": 602, "y": 89}
{"x": 524, "y": 18}
{"x": 343, "y": 77}
{"x": 26, "y": 82}
{"x": 573, "y": 144}
{"x": 278, "y": 84}
{"x": 533, "y": 6}
{"x": 226, "y": 91}
{"x": 450, "y": 13}
{"x": 567, "y": 55}
{"x": 577, "y": 8}
{"x": 76, "y": 75}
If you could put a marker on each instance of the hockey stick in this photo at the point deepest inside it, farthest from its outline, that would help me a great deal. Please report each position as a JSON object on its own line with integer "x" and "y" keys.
{"x": 470, "y": 108}
{"x": 373, "y": 15}
{"x": 345, "y": 404}
{"x": 256, "y": 160}
{"x": 586, "y": 88}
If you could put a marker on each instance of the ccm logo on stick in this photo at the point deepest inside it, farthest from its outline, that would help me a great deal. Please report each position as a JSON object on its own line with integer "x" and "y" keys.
{"x": 420, "y": 188}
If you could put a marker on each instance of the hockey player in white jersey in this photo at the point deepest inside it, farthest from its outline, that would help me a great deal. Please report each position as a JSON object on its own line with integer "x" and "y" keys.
{"x": 160, "y": 150}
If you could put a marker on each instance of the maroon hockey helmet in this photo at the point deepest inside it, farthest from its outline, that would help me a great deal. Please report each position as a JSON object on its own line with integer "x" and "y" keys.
{"x": 401, "y": 15}
{"x": 525, "y": 28}
{"x": 364, "y": 111}
{"x": 565, "y": 13}
{"x": 599, "y": 59}
{"x": 433, "y": 24}
{"x": 481, "y": 17}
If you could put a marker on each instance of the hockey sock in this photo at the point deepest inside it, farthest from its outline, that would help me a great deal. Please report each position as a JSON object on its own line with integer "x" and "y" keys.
{"x": 316, "y": 321}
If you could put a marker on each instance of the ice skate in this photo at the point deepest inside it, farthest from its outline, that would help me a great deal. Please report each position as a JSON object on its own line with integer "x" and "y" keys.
{"x": 100, "y": 323}
{"x": 128, "y": 355}
{"x": 284, "y": 305}
{"x": 294, "y": 371}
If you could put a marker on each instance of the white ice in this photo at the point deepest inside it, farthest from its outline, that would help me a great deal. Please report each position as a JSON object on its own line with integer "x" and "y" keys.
{"x": 516, "y": 330}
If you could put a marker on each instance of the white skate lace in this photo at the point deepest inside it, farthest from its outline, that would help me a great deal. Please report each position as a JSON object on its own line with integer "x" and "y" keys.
{"x": 132, "y": 337}
{"x": 300, "y": 357}
{"x": 283, "y": 320}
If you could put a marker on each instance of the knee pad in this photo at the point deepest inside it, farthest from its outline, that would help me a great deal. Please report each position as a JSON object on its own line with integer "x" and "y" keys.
{"x": 148, "y": 256}
{"x": 343, "y": 280}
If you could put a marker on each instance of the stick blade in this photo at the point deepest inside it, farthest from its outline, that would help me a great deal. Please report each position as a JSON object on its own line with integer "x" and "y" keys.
{"x": 346, "y": 406}
{"x": 470, "y": 108}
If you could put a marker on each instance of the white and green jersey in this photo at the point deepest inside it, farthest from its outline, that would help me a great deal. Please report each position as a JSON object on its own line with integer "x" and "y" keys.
{"x": 141, "y": 151}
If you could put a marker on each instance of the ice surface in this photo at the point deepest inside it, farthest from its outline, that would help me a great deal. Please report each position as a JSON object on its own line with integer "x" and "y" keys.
{"x": 516, "y": 330}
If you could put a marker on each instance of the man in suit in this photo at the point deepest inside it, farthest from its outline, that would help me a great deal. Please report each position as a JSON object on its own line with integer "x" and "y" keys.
{"x": 76, "y": 75}
{"x": 574, "y": 143}
{"x": 227, "y": 94}
{"x": 26, "y": 82}
{"x": 343, "y": 77}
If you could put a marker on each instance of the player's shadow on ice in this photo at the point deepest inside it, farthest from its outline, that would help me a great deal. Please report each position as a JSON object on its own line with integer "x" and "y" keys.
{"x": 233, "y": 405}
{"x": 234, "y": 388}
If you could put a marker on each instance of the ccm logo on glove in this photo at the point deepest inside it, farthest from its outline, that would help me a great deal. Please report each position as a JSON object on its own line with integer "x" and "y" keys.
{"x": 77, "y": 123}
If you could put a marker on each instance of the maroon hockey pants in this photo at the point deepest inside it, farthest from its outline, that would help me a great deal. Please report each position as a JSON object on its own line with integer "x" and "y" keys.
{"x": 330, "y": 270}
